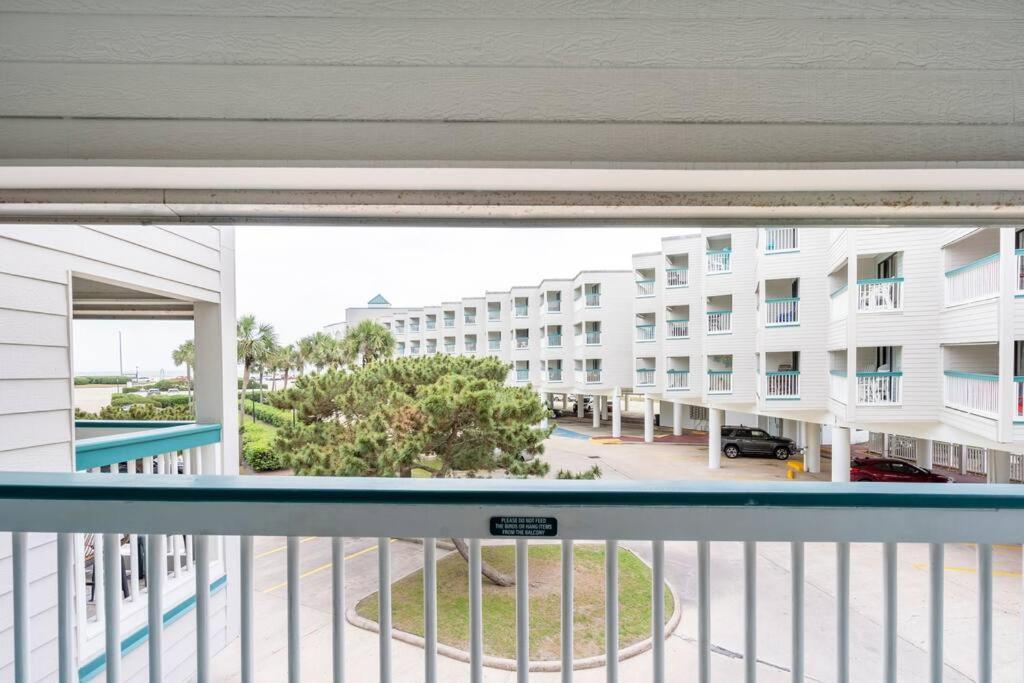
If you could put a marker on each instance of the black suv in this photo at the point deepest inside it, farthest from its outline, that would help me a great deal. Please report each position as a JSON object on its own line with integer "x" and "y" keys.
{"x": 737, "y": 441}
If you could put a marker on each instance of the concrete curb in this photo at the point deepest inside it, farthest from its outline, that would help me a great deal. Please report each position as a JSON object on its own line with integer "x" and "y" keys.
{"x": 535, "y": 666}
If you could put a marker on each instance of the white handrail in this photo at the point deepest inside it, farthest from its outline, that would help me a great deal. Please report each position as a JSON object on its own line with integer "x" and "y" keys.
{"x": 973, "y": 282}
{"x": 972, "y": 392}
{"x": 645, "y": 287}
{"x": 778, "y": 312}
{"x": 885, "y": 294}
{"x": 719, "y": 322}
{"x": 779, "y": 239}
{"x": 879, "y": 388}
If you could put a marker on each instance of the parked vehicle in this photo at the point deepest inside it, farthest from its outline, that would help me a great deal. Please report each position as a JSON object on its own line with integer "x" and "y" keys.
{"x": 741, "y": 440}
{"x": 886, "y": 469}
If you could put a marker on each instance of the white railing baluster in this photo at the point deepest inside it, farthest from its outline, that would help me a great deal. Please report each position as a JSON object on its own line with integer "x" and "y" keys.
{"x": 202, "y": 576}
{"x": 567, "y": 610}
{"x": 430, "y": 609}
{"x": 889, "y": 632}
{"x": 842, "y": 612}
{"x": 65, "y": 607}
{"x": 476, "y": 614}
{"x": 384, "y": 607}
{"x": 522, "y": 610}
{"x": 611, "y": 610}
{"x": 658, "y": 610}
{"x": 133, "y": 549}
{"x": 796, "y": 553}
{"x": 704, "y": 611}
{"x": 22, "y": 646}
{"x": 984, "y": 613}
{"x": 156, "y": 569}
{"x": 338, "y": 608}
{"x": 112, "y": 604}
{"x": 294, "y": 607}
{"x": 190, "y": 540}
{"x": 247, "y": 589}
{"x": 936, "y": 560}
{"x": 750, "y": 611}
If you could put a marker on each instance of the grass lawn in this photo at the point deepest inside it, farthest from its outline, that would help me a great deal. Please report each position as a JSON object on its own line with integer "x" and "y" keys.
{"x": 545, "y": 587}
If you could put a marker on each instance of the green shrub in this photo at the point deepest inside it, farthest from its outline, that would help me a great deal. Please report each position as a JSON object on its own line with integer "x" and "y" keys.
{"x": 103, "y": 379}
{"x": 269, "y": 414}
{"x": 253, "y": 383}
{"x": 137, "y": 411}
{"x": 258, "y": 447}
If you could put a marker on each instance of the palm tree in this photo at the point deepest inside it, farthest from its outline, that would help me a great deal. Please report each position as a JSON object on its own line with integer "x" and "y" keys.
{"x": 295, "y": 362}
{"x": 326, "y": 351}
{"x": 256, "y": 341}
{"x": 305, "y": 349}
{"x": 367, "y": 342}
{"x": 280, "y": 360}
{"x": 185, "y": 355}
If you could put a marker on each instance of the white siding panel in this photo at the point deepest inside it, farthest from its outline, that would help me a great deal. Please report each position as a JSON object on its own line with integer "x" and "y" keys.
{"x": 31, "y": 395}
{"x": 977, "y": 322}
{"x": 19, "y": 361}
{"x": 29, "y": 294}
{"x": 54, "y": 457}
{"x": 33, "y": 429}
{"x": 165, "y": 243}
{"x": 203, "y": 234}
{"x": 23, "y": 327}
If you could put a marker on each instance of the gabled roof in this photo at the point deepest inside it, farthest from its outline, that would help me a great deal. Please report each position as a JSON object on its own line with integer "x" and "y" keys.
{"x": 378, "y": 300}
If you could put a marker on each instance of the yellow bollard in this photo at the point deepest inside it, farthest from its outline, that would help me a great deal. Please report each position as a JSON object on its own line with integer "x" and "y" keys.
{"x": 792, "y": 468}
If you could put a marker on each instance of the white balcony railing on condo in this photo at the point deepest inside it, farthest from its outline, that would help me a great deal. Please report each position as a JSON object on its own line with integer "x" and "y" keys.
{"x": 554, "y": 374}
{"x": 594, "y": 337}
{"x": 719, "y": 322}
{"x": 782, "y": 312}
{"x": 972, "y": 392}
{"x": 400, "y": 330}
{"x": 470, "y": 346}
{"x": 839, "y": 304}
{"x": 522, "y": 374}
{"x": 414, "y": 350}
{"x": 494, "y": 345}
{"x": 645, "y": 333}
{"x": 414, "y": 327}
{"x": 879, "y": 388}
{"x": 522, "y": 311}
{"x": 431, "y": 324}
{"x": 677, "y": 329}
{"x": 593, "y": 299}
{"x": 782, "y": 384}
{"x": 677, "y": 277}
{"x": 644, "y": 377}
{"x": 880, "y": 294}
{"x": 703, "y": 512}
{"x": 554, "y": 341}
{"x": 553, "y": 306}
{"x": 719, "y": 261}
{"x": 593, "y": 375}
{"x": 837, "y": 385}
{"x": 493, "y": 315}
{"x": 678, "y": 379}
{"x": 522, "y": 342}
{"x": 449, "y": 347}
{"x": 449, "y": 323}
{"x": 644, "y": 288}
{"x": 973, "y": 281}
{"x": 1019, "y": 253}
{"x": 777, "y": 240}
{"x": 719, "y": 381}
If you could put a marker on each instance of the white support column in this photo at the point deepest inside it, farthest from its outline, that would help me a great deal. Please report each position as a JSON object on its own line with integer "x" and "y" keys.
{"x": 595, "y": 409}
{"x": 547, "y": 406}
{"x": 677, "y": 419}
{"x": 812, "y": 456}
{"x": 648, "y": 419}
{"x": 998, "y": 467}
{"x": 617, "y": 413}
{"x": 716, "y": 416}
{"x": 923, "y": 453}
{"x": 581, "y": 410}
{"x": 840, "y": 453}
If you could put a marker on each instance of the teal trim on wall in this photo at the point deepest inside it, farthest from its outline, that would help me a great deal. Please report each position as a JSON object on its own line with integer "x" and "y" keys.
{"x": 129, "y": 424}
{"x": 971, "y": 375}
{"x": 973, "y": 264}
{"x": 839, "y": 291}
{"x": 786, "y": 299}
{"x": 879, "y": 280}
{"x": 106, "y": 450}
{"x": 783, "y": 373}
{"x": 879, "y": 374}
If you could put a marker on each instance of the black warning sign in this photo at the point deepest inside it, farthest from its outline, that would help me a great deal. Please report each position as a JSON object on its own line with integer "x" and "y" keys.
{"x": 524, "y": 526}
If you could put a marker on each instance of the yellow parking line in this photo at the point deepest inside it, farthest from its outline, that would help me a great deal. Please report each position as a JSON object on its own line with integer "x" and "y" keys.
{"x": 325, "y": 566}
{"x": 969, "y": 570}
{"x": 279, "y": 548}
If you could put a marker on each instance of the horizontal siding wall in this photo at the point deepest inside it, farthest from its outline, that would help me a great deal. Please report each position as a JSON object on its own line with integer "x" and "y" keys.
{"x": 536, "y": 81}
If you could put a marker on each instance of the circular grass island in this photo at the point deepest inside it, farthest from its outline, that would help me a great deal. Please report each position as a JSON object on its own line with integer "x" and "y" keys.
{"x": 499, "y": 603}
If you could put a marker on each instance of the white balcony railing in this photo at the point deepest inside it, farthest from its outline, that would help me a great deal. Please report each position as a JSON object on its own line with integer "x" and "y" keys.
{"x": 973, "y": 281}
{"x": 719, "y": 381}
{"x": 449, "y": 348}
{"x": 879, "y": 388}
{"x": 882, "y": 294}
{"x": 414, "y": 351}
{"x": 1019, "y": 253}
{"x": 677, "y": 329}
{"x": 449, "y": 323}
{"x": 431, "y": 324}
{"x": 837, "y": 385}
{"x": 677, "y": 277}
{"x": 494, "y": 345}
{"x": 972, "y": 392}
{"x": 594, "y": 337}
{"x": 522, "y": 374}
{"x": 414, "y": 327}
{"x": 554, "y": 341}
{"x": 553, "y": 306}
{"x": 707, "y": 513}
{"x": 494, "y": 315}
{"x": 522, "y": 311}
{"x": 839, "y": 304}
{"x": 645, "y": 333}
{"x": 782, "y": 384}
{"x": 469, "y": 320}
{"x": 593, "y": 375}
{"x": 782, "y": 312}
{"x": 719, "y": 322}
{"x": 1018, "y": 398}
{"x": 554, "y": 374}
{"x": 470, "y": 347}
{"x": 778, "y": 240}
{"x": 719, "y": 261}
{"x": 678, "y": 379}
{"x": 522, "y": 342}
{"x": 593, "y": 299}
{"x": 644, "y": 288}
{"x": 644, "y": 377}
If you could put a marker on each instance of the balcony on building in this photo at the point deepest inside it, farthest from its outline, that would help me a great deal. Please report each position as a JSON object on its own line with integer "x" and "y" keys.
{"x": 782, "y": 302}
{"x": 522, "y": 339}
{"x": 646, "y": 324}
{"x": 592, "y": 370}
{"x": 552, "y": 301}
{"x": 718, "y": 255}
{"x": 780, "y": 240}
{"x": 493, "y": 311}
{"x": 880, "y": 282}
{"x": 592, "y": 295}
{"x": 400, "y": 349}
{"x": 522, "y": 370}
{"x": 431, "y": 322}
{"x": 553, "y": 336}
{"x": 1018, "y": 381}
{"x": 719, "y": 314}
{"x": 677, "y": 375}
{"x": 970, "y": 378}
{"x": 782, "y": 375}
{"x": 645, "y": 369}
{"x": 431, "y": 347}
{"x": 677, "y": 270}
{"x": 838, "y": 285}
{"x": 971, "y": 267}
{"x": 645, "y": 281}
{"x": 449, "y": 344}
{"x": 399, "y": 327}
{"x": 554, "y": 370}
{"x": 720, "y": 374}
{"x": 837, "y": 384}
{"x": 677, "y": 322}
{"x": 493, "y": 342}
{"x": 879, "y": 375}
{"x": 469, "y": 343}
{"x": 414, "y": 348}
{"x": 449, "y": 320}
{"x": 521, "y": 307}
{"x": 469, "y": 315}
{"x": 592, "y": 332}
{"x": 414, "y": 324}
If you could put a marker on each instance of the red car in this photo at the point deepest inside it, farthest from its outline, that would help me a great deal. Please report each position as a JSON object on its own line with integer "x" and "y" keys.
{"x": 884, "y": 469}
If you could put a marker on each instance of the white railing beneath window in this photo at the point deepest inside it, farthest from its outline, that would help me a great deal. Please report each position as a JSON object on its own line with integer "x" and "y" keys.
{"x": 780, "y": 312}
{"x": 522, "y": 311}
{"x": 522, "y": 374}
{"x": 902, "y": 447}
{"x": 678, "y": 379}
{"x": 645, "y": 287}
{"x": 431, "y": 324}
{"x": 593, "y": 299}
{"x": 1018, "y": 398}
{"x": 704, "y": 512}
{"x": 881, "y": 294}
{"x": 719, "y": 381}
{"x": 554, "y": 341}
{"x": 973, "y": 281}
{"x": 839, "y": 304}
{"x": 522, "y": 342}
{"x": 449, "y": 348}
{"x": 469, "y": 320}
{"x": 449, "y": 323}
{"x": 677, "y": 277}
{"x": 972, "y": 392}
{"x": 554, "y": 374}
{"x": 593, "y": 375}
{"x": 677, "y": 329}
{"x": 879, "y": 388}
{"x": 399, "y": 330}
{"x": 493, "y": 315}
{"x": 1019, "y": 253}
{"x": 594, "y": 337}
{"x": 494, "y": 345}
{"x": 644, "y": 377}
{"x": 782, "y": 384}
{"x": 414, "y": 351}
{"x": 553, "y": 306}
{"x": 470, "y": 346}
{"x": 719, "y": 322}
{"x": 719, "y": 261}
{"x": 837, "y": 385}
{"x": 778, "y": 240}
{"x": 645, "y": 333}
{"x": 415, "y": 327}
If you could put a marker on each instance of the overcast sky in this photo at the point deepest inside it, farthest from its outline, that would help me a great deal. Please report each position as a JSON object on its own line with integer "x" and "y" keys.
{"x": 300, "y": 279}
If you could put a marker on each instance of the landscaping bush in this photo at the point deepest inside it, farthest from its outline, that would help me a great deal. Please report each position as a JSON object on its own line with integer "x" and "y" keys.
{"x": 103, "y": 379}
{"x": 269, "y": 414}
{"x": 253, "y": 384}
{"x": 258, "y": 447}
{"x": 137, "y": 411}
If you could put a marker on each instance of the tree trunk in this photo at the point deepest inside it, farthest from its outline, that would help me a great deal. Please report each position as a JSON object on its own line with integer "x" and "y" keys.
{"x": 286, "y": 378}
{"x": 489, "y": 572}
{"x": 188, "y": 382}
